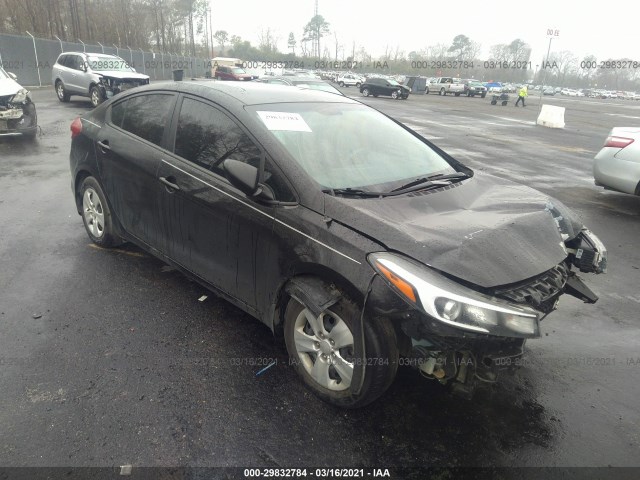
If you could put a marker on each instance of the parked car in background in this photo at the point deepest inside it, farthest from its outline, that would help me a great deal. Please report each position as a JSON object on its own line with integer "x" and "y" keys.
{"x": 349, "y": 80}
{"x": 18, "y": 115}
{"x": 348, "y": 234}
{"x": 311, "y": 83}
{"x": 385, "y": 87}
{"x": 549, "y": 91}
{"x": 238, "y": 74}
{"x": 444, "y": 85}
{"x": 474, "y": 87}
{"x": 93, "y": 75}
{"x": 617, "y": 165}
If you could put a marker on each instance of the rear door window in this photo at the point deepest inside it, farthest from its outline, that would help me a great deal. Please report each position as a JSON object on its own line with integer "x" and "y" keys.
{"x": 145, "y": 116}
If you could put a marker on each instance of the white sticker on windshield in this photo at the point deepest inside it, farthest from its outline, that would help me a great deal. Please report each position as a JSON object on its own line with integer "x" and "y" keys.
{"x": 291, "y": 122}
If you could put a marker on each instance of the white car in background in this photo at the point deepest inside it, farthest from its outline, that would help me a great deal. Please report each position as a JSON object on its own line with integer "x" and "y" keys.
{"x": 349, "y": 80}
{"x": 617, "y": 165}
{"x": 17, "y": 111}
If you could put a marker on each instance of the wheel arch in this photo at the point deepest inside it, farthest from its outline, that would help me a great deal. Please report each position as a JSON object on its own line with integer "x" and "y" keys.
{"x": 315, "y": 283}
{"x": 80, "y": 177}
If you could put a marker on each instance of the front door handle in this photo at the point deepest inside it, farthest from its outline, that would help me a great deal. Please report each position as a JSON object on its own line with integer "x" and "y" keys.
{"x": 170, "y": 182}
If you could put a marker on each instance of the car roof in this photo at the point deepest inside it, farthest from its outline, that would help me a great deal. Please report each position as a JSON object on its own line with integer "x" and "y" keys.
{"x": 251, "y": 93}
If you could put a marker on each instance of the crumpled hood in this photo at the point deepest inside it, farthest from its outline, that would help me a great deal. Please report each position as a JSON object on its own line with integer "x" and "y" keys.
{"x": 9, "y": 86}
{"x": 124, "y": 75}
{"x": 485, "y": 230}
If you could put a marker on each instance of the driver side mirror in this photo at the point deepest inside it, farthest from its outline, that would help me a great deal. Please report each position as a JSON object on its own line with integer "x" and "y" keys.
{"x": 245, "y": 178}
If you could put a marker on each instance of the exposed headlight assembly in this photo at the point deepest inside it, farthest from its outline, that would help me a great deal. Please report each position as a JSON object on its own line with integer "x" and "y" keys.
{"x": 452, "y": 303}
{"x": 21, "y": 96}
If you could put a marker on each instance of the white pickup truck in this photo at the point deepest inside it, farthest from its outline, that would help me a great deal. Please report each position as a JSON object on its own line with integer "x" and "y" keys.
{"x": 444, "y": 85}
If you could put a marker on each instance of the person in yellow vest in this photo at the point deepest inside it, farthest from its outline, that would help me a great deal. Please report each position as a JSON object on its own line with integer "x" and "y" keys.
{"x": 522, "y": 94}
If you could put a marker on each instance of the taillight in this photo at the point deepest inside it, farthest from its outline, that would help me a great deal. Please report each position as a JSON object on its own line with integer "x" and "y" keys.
{"x": 76, "y": 127}
{"x": 618, "y": 142}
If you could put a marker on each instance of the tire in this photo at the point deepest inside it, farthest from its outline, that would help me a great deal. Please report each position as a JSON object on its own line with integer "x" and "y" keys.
{"x": 95, "y": 95}
{"x": 394, "y": 95}
{"x": 426, "y": 91}
{"x": 380, "y": 344}
{"x": 61, "y": 92}
{"x": 358, "y": 84}
{"x": 365, "y": 92}
{"x": 404, "y": 97}
{"x": 457, "y": 94}
{"x": 96, "y": 215}
{"x": 504, "y": 102}
{"x": 443, "y": 91}
{"x": 493, "y": 102}
{"x": 341, "y": 84}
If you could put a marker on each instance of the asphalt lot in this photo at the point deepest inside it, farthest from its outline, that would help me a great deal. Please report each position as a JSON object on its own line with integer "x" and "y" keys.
{"x": 108, "y": 358}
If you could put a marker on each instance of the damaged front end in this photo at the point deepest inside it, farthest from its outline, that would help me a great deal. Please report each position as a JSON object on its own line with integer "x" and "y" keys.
{"x": 18, "y": 115}
{"x": 113, "y": 85}
{"x": 464, "y": 335}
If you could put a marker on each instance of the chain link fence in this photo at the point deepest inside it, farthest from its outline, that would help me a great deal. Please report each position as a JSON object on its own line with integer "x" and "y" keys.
{"x": 31, "y": 59}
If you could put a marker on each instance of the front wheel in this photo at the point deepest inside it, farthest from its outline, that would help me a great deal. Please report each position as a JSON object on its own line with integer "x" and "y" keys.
{"x": 457, "y": 94}
{"x": 321, "y": 349}
{"x": 394, "y": 95}
{"x": 96, "y": 215}
{"x": 96, "y": 96}
{"x": 365, "y": 92}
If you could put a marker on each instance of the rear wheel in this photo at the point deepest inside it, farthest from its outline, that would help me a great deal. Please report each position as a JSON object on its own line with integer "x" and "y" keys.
{"x": 457, "y": 94}
{"x": 61, "y": 92}
{"x": 341, "y": 84}
{"x": 443, "y": 91}
{"x": 426, "y": 91}
{"x": 321, "y": 348}
{"x": 96, "y": 214}
{"x": 365, "y": 92}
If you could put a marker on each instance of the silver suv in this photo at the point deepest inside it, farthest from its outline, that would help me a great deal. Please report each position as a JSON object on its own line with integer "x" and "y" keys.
{"x": 94, "y": 75}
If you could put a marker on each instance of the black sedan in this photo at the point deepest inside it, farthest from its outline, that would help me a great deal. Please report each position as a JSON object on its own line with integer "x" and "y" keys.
{"x": 386, "y": 87}
{"x": 349, "y": 235}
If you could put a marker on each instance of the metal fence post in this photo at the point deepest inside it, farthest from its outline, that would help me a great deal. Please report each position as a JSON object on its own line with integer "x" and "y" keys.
{"x": 117, "y": 51}
{"x": 61, "y": 47}
{"x": 144, "y": 68}
{"x": 84, "y": 48}
{"x": 101, "y": 46}
{"x": 35, "y": 51}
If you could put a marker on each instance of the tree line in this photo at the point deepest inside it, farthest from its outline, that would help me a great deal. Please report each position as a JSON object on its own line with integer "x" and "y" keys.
{"x": 184, "y": 27}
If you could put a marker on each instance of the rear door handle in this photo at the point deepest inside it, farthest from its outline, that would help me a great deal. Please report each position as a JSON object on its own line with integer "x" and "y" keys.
{"x": 104, "y": 145}
{"x": 170, "y": 182}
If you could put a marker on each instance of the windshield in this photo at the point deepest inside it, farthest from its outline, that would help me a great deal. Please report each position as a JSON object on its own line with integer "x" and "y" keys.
{"x": 350, "y": 146}
{"x": 393, "y": 82}
{"x": 238, "y": 70}
{"x": 108, "y": 64}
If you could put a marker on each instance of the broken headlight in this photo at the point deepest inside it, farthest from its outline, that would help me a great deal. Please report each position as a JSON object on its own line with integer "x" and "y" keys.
{"x": 454, "y": 304}
{"x": 589, "y": 253}
{"x": 20, "y": 97}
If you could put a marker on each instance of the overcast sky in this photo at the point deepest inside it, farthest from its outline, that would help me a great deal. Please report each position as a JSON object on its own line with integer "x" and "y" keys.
{"x": 605, "y": 30}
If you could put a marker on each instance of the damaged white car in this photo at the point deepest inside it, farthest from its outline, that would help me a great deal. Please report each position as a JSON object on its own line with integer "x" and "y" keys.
{"x": 94, "y": 75}
{"x": 17, "y": 111}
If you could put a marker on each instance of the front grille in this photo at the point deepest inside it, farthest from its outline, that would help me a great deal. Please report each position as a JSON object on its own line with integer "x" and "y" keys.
{"x": 539, "y": 292}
